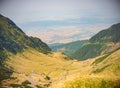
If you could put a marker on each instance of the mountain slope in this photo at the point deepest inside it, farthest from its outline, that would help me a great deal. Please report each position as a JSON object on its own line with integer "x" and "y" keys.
{"x": 13, "y": 39}
{"x": 33, "y": 65}
{"x": 22, "y": 56}
{"x": 89, "y": 51}
{"x": 103, "y": 42}
{"x": 100, "y": 72}
{"x": 111, "y": 34}
{"x": 108, "y": 63}
{"x": 25, "y": 64}
{"x": 68, "y": 48}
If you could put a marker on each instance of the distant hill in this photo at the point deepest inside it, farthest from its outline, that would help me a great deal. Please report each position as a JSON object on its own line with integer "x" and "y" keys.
{"x": 67, "y": 48}
{"x": 103, "y": 42}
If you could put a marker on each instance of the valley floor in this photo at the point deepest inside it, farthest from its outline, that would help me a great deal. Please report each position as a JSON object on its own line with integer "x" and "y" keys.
{"x": 32, "y": 69}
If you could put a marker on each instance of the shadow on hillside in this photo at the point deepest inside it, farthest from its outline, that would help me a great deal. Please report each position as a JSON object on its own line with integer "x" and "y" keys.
{"x": 5, "y": 73}
{"x": 116, "y": 84}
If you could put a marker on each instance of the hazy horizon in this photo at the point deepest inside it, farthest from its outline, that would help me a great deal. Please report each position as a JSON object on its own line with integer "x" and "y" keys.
{"x": 61, "y": 21}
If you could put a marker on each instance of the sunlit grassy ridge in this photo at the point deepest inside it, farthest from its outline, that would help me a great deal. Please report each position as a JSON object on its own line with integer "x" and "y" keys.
{"x": 104, "y": 74}
{"x": 110, "y": 64}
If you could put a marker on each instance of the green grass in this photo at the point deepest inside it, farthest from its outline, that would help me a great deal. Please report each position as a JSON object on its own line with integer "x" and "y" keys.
{"x": 38, "y": 86}
{"x": 22, "y": 85}
{"x": 26, "y": 82}
{"x": 100, "y": 59}
{"x": 15, "y": 85}
{"x": 100, "y": 69}
{"x": 90, "y": 82}
{"x": 97, "y": 61}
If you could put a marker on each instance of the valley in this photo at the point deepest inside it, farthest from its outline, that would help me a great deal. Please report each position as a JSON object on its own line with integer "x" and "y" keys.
{"x": 54, "y": 71}
{"x": 27, "y": 62}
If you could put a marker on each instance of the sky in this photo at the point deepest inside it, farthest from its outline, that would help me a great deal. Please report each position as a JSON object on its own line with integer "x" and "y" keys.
{"x": 61, "y": 21}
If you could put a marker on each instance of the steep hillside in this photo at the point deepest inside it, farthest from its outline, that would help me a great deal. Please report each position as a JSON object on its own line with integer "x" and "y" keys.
{"x": 100, "y": 72}
{"x": 25, "y": 59}
{"x": 68, "y": 48}
{"x": 108, "y": 63}
{"x": 111, "y": 34}
{"x": 89, "y": 51}
{"x": 14, "y": 40}
{"x": 103, "y": 42}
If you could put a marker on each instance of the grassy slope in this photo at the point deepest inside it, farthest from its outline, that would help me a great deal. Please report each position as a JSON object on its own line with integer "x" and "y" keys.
{"x": 54, "y": 71}
{"x": 109, "y": 63}
{"x": 104, "y": 74}
{"x": 33, "y": 65}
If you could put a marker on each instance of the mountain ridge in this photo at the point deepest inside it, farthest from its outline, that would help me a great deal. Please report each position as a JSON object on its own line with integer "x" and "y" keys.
{"x": 13, "y": 39}
{"x": 103, "y": 42}
{"x": 112, "y": 34}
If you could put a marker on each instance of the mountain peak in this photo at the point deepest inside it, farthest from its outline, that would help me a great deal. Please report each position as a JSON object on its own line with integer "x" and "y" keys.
{"x": 6, "y": 21}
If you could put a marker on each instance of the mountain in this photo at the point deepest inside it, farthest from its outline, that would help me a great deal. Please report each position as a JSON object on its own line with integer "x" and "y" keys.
{"x": 99, "y": 72}
{"x": 111, "y": 34}
{"x": 14, "y": 40}
{"x": 27, "y": 62}
{"x": 103, "y": 42}
{"x": 23, "y": 58}
{"x": 67, "y": 48}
